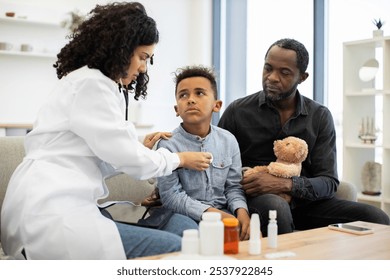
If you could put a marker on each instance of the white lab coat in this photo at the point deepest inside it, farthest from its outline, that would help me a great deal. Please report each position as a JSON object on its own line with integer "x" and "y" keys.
{"x": 50, "y": 208}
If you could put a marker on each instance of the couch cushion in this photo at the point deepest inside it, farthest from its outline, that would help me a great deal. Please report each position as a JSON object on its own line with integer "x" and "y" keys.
{"x": 124, "y": 188}
{"x": 11, "y": 155}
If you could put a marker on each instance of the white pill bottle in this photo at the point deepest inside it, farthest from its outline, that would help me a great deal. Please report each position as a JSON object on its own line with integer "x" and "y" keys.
{"x": 211, "y": 234}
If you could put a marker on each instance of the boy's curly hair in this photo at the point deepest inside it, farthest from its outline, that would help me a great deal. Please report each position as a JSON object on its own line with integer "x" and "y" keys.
{"x": 107, "y": 39}
{"x": 196, "y": 71}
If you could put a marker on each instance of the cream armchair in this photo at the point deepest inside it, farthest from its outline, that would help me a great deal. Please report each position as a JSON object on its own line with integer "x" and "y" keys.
{"x": 121, "y": 187}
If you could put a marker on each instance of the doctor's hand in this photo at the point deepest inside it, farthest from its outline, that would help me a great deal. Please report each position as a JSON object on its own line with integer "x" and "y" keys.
{"x": 195, "y": 160}
{"x": 151, "y": 139}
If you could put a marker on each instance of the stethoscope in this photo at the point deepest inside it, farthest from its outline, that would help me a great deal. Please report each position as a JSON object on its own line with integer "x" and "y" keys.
{"x": 124, "y": 89}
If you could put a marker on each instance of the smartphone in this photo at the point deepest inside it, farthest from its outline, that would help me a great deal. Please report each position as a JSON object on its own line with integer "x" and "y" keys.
{"x": 351, "y": 229}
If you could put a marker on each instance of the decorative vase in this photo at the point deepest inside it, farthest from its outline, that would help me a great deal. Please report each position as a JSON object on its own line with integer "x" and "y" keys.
{"x": 377, "y": 33}
{"x": 371, "y": 178}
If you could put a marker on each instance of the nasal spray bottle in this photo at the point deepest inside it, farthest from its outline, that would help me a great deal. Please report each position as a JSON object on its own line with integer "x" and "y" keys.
{"x": 272, "y": 230}
{"x": 255, "y": 236}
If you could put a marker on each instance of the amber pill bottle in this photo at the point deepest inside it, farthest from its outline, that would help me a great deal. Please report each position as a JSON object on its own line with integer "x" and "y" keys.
{"x": 231, "y": 235}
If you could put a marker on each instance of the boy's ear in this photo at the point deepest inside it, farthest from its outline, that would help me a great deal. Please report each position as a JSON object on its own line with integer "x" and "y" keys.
{"x": 175, "y": 107}
{"x": 217, "y": 106}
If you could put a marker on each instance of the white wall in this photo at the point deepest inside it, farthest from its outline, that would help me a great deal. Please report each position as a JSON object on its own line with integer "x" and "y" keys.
{"x": 185, "y": 38}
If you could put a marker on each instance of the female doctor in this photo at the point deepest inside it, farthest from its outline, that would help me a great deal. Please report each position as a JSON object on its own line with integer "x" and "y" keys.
{"x": 80, "y": 137}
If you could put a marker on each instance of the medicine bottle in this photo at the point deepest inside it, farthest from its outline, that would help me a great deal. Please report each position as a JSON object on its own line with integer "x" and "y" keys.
{"x": 190, "y": 242}
{"x": 272, "y": 230}
{"x": 231, "y": 235}
{"x": 211, "y": 234}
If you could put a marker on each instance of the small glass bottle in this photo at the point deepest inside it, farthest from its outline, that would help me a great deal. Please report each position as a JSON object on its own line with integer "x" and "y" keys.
{"x": 231, "y": 235}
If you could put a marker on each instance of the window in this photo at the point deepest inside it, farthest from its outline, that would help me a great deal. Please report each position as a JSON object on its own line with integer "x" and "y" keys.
{"x": 269, "y": 21}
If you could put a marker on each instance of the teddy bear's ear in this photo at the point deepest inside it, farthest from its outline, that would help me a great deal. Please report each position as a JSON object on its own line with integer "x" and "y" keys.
{"x": 303, "y": 150}
{"x": 276, "y": 146}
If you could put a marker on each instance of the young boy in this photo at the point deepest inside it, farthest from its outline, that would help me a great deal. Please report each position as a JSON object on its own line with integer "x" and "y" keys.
{"x": 218, "y": 188}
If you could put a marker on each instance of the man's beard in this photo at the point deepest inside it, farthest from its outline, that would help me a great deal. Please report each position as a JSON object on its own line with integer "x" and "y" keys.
{"x": 281, "y": 96}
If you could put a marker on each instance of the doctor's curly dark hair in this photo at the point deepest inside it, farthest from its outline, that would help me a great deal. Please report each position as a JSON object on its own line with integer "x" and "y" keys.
{"x": 107, "y": 39}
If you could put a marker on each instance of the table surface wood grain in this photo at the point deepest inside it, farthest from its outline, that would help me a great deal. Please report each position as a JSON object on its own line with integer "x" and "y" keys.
{"x": 321, "y": 244}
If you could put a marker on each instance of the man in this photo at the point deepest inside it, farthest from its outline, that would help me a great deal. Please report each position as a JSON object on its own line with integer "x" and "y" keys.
{"x": 278, "y": 111}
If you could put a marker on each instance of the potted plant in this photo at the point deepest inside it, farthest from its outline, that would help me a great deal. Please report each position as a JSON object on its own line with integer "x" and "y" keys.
{"x": 378, "y": 23}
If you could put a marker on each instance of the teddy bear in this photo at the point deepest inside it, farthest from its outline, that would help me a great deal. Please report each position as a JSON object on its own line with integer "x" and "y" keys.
{"x": 290, "y": 152}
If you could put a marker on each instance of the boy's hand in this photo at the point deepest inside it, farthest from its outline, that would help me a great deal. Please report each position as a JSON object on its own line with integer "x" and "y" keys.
{"x": 223, "y": 213}
{"x": 153, "y": 199}
{"x": 244, "y": 219}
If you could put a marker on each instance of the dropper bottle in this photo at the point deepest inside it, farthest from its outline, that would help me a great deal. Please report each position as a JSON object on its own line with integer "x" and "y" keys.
{"x": 272, "y": 230}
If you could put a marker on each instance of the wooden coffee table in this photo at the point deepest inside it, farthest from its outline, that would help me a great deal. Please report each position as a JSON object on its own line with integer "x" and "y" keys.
{"x": 323, "y": 244}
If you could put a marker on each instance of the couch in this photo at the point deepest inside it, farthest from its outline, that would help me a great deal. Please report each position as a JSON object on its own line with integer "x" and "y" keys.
{"x": 121, "y": 187}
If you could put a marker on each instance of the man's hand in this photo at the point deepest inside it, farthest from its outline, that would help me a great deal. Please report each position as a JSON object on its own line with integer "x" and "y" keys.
{"x": 264, "y": 183}
{"x": 286, "y": 197}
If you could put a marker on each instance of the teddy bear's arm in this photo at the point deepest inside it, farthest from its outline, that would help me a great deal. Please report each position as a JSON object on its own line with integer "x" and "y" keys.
{"x": 256, "y": 169}
{"x": 284, "y": 170}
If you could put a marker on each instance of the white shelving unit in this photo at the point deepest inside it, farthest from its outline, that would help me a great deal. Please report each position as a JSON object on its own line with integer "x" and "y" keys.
{"x": 39, "y": 33}
{"x": 364, "y": 100}
{"x": 27, "y": 54}
{"x": 23, "y": 21}
{"x": 26, "y": 78}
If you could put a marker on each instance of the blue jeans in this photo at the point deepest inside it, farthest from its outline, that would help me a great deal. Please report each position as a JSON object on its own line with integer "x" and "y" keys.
{"x": 314, "y": 214}
{"x": 142, "y": 242}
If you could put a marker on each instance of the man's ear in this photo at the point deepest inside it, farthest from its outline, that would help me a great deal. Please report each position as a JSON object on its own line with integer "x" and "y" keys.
{"x": 175, "y": 107}
{"x": 217, "y": 106}
{"x": 303, "y": 77}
